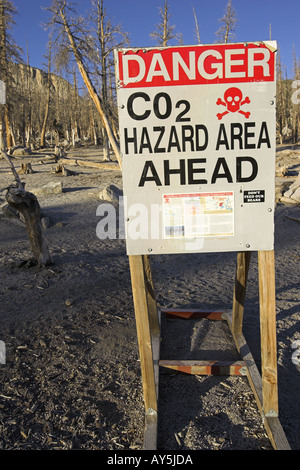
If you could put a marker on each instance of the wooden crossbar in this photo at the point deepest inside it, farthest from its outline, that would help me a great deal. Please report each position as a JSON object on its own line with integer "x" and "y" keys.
{"x": 193, "y": 314}
{"x": 206, "y": 367}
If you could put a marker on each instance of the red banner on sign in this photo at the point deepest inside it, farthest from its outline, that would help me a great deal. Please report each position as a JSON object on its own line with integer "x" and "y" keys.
{"x": 196, "y": 65}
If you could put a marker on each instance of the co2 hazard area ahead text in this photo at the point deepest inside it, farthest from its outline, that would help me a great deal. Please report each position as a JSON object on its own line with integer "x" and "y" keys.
{"x": 234, "y": 136}
{"x": 149, "y": 458}
{"x": 187, "y": 138}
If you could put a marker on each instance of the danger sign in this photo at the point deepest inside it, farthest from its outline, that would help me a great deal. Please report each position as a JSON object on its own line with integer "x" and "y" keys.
{"x": 197, "y": 134}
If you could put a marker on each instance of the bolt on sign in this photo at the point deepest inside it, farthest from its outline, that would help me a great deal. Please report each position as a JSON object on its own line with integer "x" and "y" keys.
{"x": 197, "y": 135}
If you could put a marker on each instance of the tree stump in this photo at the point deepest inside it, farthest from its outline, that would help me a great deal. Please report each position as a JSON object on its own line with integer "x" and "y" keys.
{"x": 27, "y": 204}
{"x": 26, "y": 169}
{"x": 61, "y": 170}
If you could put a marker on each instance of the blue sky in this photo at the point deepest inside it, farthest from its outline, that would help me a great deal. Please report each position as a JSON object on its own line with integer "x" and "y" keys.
{"x": 138, "y": 18}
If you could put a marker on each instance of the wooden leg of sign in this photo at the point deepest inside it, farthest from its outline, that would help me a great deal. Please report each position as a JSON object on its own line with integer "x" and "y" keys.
{"x": 264, "y": 387}
{"x": 272, "y": 424}
{"x": 152, "y": 305}
{"x": 242, "y": 268}
{"x": 266, "y": 267}
{"x": 141, "y": 305}
{"x": 150, "y": 438}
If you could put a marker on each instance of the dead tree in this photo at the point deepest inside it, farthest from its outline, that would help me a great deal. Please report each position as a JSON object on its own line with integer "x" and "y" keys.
{"x": 28, "y": 206}
{"x": 164, "y": 30}
{"x": 60, "y": 19}
{"x": 9, "y": 52}
{"x": 197, "y": 27}
{"x": 105, "y": 36}
{"x": 228, "y": 21}
{"x": 49, "y": 57}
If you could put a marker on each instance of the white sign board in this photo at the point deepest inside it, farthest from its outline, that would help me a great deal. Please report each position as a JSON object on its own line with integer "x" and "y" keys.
{"x": 197, "y": 135}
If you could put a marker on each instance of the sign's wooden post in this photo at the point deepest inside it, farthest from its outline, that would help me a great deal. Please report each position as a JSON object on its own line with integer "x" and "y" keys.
{"x": 139, "y": 289}
{"x": 242, "y": 267}
{"x": 267, "y": 311}
{"x": 152, "y": 305}
{"x": 148, "y": 333}
{"x": 267, "y": 304}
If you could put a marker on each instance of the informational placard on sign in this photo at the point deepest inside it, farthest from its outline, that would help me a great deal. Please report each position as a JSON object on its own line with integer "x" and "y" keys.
{"x": 198, "y": 135}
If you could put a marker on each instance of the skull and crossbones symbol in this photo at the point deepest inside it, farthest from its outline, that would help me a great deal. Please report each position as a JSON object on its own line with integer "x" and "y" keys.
{"x": 233, "y": 100}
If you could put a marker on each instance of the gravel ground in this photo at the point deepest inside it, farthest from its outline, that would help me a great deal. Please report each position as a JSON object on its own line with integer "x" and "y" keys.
{"x": 72, "y": 373}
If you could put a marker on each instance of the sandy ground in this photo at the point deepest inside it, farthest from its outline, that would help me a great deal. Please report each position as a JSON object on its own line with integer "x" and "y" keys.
{"x": 72, "y": 373}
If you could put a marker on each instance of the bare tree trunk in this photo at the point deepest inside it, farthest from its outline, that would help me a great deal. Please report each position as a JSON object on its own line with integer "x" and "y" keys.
{"x": 9, "y": 137}
{"x": 75, "y": 126}
{"x": 106, "y": 156}
{"x": 46, "y": 116}
{"x": 97, "y": 100}
{"x": 43, "y": 133}
{"x": 197, "y": 27}
{"x": 2, "y": 135}
{"x": 103, "y": 56}
{"x": 164, "y": 31}
{"x": 92, "y": 124}
{"x": 28, "y": 85}
{"x": 27, "y": 204}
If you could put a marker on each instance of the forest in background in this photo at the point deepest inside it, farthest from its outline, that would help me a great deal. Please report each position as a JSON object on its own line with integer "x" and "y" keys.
{"x": 73, "y": 100}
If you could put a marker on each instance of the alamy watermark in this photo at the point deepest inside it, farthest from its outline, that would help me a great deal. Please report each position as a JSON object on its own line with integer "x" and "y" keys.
{"x": 141, "y": 222}
{"x": 2, "y": 353}
{"x": 2, "y": 92}
{"x": 296, "y": 354}
{"x": 296, "y": 93}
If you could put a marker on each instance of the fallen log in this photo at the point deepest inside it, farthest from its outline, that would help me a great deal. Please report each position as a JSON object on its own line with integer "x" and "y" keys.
{"x": 49, "y": 158}
{"x": 99, "y": 165}
{"x": 28, "y": 206}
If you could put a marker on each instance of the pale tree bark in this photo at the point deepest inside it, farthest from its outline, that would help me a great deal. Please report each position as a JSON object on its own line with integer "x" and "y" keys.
{"x": 164, "y": 31}
{"x": 44, "y": 127}
{"x": 2, "y": 134}
{"x": 229, "y": 20}
{"x": 74, "y": 118}
{"x": 60, "y": 10}
{"x": 9, "y": 51}
{"x": 197, "y": 27}
{"x": 107, "y": 36}
{"x": 280, "y": 100}
{"x": 27, "y": 205}
{"x": 103, "y": 57}
{"x": 10, "y": 139}
{"x": 93, "y": 132}
{"x": 295, "y": 102}
{"x": 29, "y": 116}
